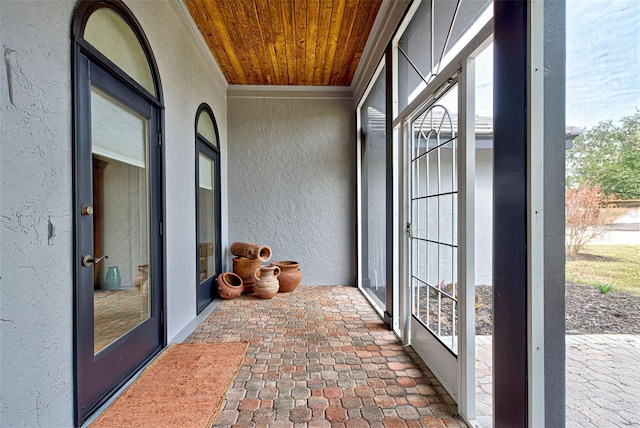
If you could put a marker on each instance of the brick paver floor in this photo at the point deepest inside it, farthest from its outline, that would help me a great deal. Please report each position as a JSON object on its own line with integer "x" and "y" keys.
{"x": 321, "y": 357}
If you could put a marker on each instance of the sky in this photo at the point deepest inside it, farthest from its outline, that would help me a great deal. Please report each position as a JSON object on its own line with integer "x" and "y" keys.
{"x": 603, "y": 63}
{"x": 603, "y": 60}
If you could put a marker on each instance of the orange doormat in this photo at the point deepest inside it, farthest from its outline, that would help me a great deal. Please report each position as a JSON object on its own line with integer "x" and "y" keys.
{"x": 184, "y": 387}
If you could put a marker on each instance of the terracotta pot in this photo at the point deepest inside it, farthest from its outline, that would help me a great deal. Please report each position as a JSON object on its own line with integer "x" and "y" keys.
{"x": 244, "y": 268}
{"x": 264, "y": 253}
{"x": 251, "y": 251}
{"x": 267, "y": 284}
{"x": 243, "y": 249}
{"x": 229, "y": 285}
{"x": 141, "y": 279}
{"x": 290, "y": 275}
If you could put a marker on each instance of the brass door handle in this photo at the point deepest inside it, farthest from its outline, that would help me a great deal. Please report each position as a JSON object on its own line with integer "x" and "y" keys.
{"x": 89, "y": 260}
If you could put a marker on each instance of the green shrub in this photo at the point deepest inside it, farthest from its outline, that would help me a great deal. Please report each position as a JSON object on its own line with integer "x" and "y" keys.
{"x": 604, "y": 287}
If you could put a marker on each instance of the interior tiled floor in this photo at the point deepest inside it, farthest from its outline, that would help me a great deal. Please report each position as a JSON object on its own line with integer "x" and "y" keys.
{"x": 321, "y": 357}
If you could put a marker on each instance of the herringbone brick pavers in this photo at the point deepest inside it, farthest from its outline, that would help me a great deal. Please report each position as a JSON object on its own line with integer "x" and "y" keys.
{"x": 321, "y": 357}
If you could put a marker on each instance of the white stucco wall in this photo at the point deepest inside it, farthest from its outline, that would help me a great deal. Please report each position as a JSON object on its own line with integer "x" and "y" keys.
{"x": 36, "y": 279}
{"x": 36, "y": 377}
{"x": 188, "y": 79}
{"x": 292, "y": 183}
{"x": 484, "y": 217}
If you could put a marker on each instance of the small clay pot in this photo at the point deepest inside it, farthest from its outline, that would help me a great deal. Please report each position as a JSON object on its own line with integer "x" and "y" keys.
{"x": 244, "y": 268}
{"x": 290, "y": 275}
{"x": 229, "y": 285}
{"x": 267, "y": 284}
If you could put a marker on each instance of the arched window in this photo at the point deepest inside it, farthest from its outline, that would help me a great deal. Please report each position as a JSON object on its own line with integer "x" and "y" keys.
{"x": 208, "y": 251}
{"x": 118, "y": 281}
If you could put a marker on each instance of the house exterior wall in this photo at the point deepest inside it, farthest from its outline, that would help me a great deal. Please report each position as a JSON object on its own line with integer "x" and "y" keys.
{"x": 36, "y": 275}
{"x": 292, "y": 183}
{"x": 36, "y": 300}
{"x": 484, "y": 217}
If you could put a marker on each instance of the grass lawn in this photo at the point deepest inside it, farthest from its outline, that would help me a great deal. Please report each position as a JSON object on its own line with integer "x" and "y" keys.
{"x": 618, "y": 265}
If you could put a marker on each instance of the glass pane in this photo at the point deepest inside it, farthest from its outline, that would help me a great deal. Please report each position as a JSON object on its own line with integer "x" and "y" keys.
{"x": 374, "y": 170}
{"x": 206, "y": 193}
{"x": 206, "y": 128}
{"x": 113, "y": 37}
{"x": 121, "y": 219}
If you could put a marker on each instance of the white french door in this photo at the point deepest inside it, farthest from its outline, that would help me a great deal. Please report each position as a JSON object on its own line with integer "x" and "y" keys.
{"x": 438, "y": 173}
{"x": 432, "y": 232}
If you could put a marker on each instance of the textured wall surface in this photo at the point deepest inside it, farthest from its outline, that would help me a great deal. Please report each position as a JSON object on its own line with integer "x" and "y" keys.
{"x": 188, "y": 80}
{"x": 291, "y": 183}
{"x": 484, "y": 217}
{"x": 36, "y": 277}
{"x": 36, "y": 293}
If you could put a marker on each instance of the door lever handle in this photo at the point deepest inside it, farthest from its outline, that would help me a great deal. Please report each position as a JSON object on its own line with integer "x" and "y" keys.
{"x": 88, "y": 260}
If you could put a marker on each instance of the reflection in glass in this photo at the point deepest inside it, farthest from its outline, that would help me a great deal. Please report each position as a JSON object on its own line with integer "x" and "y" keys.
{"x": 207, "y": 129}
{"x": 107, "y": 32}
{"x": 206, "y": 184}
{"x": 120, "y": 218}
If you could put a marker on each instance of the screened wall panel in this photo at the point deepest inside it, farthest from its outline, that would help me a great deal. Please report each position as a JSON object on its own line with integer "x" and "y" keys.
{"x": 430, "y": 40}
{"x": 374, "y": 168}
{"x": 415, "y": 54}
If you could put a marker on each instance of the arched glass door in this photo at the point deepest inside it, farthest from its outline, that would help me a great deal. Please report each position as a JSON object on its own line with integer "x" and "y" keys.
{"x": 208, "y": 251}
{"x": 118, "y": 321}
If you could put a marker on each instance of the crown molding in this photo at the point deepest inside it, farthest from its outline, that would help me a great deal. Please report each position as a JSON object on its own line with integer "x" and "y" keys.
{"x": 290, "y": 92}
{"x": 389, "y": 17}
{"x": 197, "y": 37}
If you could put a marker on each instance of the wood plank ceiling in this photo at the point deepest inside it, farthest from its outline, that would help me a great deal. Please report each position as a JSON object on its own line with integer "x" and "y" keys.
{"x": 286, "y": 42}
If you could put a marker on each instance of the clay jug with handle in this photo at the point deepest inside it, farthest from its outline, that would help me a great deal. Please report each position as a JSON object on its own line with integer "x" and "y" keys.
{"x": 267, "y": 284}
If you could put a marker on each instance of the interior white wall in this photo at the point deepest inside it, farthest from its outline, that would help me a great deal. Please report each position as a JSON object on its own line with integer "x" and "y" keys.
{"x": 36, "y": 276}
{"x": 292, "y": 183}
